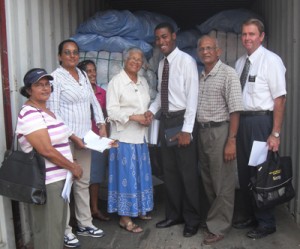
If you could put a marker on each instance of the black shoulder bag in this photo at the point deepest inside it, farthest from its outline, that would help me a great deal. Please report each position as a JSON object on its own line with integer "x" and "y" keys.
{"x": 22, "y": 176}
{"x": 272, "y": 184}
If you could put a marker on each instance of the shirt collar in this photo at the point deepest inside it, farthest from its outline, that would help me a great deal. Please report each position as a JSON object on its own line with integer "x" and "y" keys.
{"x": 128, "y": 81}
{"x": 256, "y": 54}
{"x": 214, "y": 70}
{"x": 172, "y": 55}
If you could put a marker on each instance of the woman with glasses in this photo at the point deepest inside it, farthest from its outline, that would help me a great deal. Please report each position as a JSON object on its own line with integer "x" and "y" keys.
{"x": 41, "y": 129}
{"x": 99, "y": 160}
{"x": 130, "y": 191}
{"x": 71, "y": 99}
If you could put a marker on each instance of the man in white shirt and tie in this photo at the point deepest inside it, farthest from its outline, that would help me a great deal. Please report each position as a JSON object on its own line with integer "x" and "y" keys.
{"x": 264, "y": 99}
{"x": 179, "y": 161}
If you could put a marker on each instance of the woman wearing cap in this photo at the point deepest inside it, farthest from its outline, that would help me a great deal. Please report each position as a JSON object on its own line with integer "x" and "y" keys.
{"x": 71, "y": 99}
{"x": 130, "y": 191}
{"x": 99, "y": 160}
{"x": 39, "y": 128}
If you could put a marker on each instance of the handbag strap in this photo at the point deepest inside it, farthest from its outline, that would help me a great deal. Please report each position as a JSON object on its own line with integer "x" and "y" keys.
{"x": 14, "y": 140}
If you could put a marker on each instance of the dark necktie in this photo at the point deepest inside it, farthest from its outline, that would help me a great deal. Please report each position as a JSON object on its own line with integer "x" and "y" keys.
{"x": 245, "y": 73}
{"x": 164, "y": 88}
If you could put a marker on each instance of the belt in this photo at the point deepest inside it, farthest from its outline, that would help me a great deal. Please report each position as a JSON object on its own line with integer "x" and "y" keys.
{"x": 256, "y": 113}
{"x": 210, "y": 124}
{"x": 173, "y": 114}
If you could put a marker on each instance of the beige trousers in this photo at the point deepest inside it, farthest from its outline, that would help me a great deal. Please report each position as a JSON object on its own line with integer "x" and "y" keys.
{"x": 81, "y": 190}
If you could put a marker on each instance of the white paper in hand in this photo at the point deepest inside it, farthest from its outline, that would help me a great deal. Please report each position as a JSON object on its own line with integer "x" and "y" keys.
{"x": 259, "y": 153}
{"x": 95, "y": 142}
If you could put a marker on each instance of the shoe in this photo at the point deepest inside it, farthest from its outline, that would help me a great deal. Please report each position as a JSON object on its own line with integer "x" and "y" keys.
{"x": 211, "y": 238}
{"x": 167, "y": 223}
{"x": 71, "y": 241}
{"x": 190, "y": 231}
{"x": 260, "y": 232}
{"x": 90, "y": 231}
{"x": 245, "y": 224}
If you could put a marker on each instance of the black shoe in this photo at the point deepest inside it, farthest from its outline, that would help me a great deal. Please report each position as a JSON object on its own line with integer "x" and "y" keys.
{"x": 245, "y": 224}
{"x": 260, "y": 232}
{"x": 167, "y": 223}
{"x": 189, "y": 231}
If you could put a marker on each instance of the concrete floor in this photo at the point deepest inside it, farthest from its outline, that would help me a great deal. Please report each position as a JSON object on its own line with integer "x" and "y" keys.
{"x": 286, "y": 237}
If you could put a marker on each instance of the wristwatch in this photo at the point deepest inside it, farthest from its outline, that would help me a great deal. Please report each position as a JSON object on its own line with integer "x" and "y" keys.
{"x": 276, "y": 134}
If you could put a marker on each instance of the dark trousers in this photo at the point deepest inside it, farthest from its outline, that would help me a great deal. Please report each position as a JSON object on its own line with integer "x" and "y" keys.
{"x": 252, "y": 128}
{"x": 181, "y": 177}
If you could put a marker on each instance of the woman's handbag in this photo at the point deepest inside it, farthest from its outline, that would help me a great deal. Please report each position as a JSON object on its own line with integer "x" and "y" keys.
{"x": 272, "y": 184}
{"x": 22, "y": 176}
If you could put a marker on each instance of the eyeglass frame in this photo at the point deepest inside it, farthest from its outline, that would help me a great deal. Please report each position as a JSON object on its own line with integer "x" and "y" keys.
{"x": 208, "y": 49}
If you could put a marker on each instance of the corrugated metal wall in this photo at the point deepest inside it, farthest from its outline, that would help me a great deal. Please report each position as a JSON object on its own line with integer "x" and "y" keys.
{"x": 35, "y": 28}
{"x": 282, "y": 20}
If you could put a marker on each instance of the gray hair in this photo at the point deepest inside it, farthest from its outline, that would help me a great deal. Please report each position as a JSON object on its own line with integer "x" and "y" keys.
{"x": 210, "y": 37}
{"x": 127, "y": 52}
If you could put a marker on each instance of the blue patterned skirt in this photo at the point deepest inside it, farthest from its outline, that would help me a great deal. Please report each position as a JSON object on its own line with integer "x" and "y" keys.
{"x": 130, "y": 191}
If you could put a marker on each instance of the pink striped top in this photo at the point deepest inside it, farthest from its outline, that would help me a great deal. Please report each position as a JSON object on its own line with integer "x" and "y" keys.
{"x": 31, "y": 119}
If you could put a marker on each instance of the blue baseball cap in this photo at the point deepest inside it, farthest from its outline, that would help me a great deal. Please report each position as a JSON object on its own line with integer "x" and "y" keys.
{"x": 34, "y": 75}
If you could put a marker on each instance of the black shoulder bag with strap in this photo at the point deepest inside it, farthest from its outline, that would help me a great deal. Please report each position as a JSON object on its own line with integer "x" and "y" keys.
{"x": 22, "y": 176}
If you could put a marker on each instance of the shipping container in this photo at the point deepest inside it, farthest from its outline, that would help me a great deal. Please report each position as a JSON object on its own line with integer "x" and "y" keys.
{"x": 32, "y": 29}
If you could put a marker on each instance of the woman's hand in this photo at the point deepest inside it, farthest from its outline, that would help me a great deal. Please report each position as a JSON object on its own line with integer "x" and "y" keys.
{"x": 140, "y": 118}
{"x": 76, "y": 171}
{"x": 79, "y": 144}
{"x": 102, "y": 130}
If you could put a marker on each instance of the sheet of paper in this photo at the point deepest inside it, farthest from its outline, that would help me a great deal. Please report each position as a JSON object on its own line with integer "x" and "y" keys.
{"x": 67, "y": 187}
{"x": 153, "y": 131}
{"x": 259, "y": 153}
{"x": 95, "y": 142}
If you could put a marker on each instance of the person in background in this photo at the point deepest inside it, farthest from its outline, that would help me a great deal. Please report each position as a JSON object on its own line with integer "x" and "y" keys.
{"x": 40, "y": 129}
{"x": 262, "y": 75}
{"x": 130, "y": 190}
{"x": 219, "y": 103}
{"x": 181, "y": 176}
{"x": 71, "y": 99}
{"x": 99, "y": 160}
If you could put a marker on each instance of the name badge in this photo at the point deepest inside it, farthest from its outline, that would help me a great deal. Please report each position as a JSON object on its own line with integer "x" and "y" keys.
{"x": 251, "y": 78}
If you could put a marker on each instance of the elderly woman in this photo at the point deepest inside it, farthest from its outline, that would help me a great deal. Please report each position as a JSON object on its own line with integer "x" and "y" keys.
{"x": 41, "y": 129}
{"x": 71, "y": 99}
{"x": 130, "y": 191}
{"x": 99, "y": 160}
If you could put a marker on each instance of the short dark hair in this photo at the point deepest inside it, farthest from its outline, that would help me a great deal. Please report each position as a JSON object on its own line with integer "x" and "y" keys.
{"x": 166, "y": 25}
{"x": 258, "y": 23}
{"x": 83, "y": 64}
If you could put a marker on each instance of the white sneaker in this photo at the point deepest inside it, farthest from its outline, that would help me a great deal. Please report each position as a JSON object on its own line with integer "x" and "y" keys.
{"x": 90, "y": 231}
{"x": 71, "y": 240}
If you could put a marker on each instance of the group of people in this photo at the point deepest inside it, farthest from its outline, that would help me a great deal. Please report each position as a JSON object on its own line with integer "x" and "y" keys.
{"x": 219, "y": 111}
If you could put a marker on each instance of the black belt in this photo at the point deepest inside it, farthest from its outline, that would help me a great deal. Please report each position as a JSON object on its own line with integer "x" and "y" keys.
{"x": 173, "y": 114}
{"x": 210, "y": 124}
{"x": 256, "y": 113}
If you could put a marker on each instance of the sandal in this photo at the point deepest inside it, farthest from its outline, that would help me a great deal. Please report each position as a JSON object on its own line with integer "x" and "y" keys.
{"x": 131, "y": 227}
{"x": 145, "y": 217}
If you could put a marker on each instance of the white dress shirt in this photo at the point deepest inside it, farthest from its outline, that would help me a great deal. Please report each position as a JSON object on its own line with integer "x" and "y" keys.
{"x": 265, "y": 82}
{"x": 183, "y": 87}
{"x": 123, "y": 99}
{"x": 72, "y": 101}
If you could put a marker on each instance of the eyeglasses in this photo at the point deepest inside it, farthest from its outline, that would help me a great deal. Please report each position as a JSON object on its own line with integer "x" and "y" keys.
{"x": 69, "y": 53}
{"x": 135, "y": 60}
{"x": 41, "y": 85}
{"x": 208, "y": 49}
